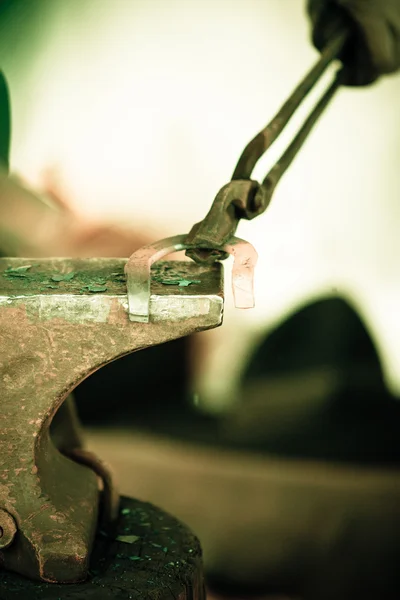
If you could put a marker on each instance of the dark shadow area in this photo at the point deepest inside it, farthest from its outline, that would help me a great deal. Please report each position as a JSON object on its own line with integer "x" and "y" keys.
{"x": 327, "y": 332}
{"x": 314, "y": 389}
{"x": 146, "y": 387}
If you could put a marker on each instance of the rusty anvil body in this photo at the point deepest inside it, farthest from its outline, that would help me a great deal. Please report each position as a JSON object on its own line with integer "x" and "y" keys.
{"x": 61, "y": 320}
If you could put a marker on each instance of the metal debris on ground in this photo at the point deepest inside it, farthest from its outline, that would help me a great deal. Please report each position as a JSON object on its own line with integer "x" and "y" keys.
{"x": 128, "y": 539}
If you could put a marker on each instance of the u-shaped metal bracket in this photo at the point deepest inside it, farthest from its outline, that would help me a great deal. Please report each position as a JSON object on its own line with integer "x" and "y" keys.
{"x": 138, "y": 273}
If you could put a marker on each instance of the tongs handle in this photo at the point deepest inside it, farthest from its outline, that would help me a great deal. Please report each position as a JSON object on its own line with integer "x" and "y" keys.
{"x": 245, "y": 198}
{"x": 265, "y": 138}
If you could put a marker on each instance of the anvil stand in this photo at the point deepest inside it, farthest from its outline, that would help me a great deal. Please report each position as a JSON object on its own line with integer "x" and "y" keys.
{"x": 162, "y": 562}
{"x": 64, "y": 531}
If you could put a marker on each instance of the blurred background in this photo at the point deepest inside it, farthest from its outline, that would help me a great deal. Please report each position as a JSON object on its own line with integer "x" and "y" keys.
{"x": 127, "y": 118}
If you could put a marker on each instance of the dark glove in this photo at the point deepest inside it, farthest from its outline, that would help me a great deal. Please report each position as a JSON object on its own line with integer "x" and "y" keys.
{"x": 374, "y": 49}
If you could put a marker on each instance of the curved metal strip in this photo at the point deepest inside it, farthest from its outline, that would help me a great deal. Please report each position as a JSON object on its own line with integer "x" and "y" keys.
{"x": 138, "y": 269}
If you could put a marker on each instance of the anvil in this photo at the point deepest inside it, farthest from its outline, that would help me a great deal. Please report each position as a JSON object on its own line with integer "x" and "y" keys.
{"x": 61, "y": 320}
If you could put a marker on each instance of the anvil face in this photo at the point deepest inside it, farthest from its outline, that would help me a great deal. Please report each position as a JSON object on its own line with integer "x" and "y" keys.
{"x": 60, "y": 320}
{"x": 83, "y": 291}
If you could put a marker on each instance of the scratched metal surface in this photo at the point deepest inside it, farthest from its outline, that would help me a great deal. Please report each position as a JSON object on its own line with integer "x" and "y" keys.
{"x": 107, "y": 272}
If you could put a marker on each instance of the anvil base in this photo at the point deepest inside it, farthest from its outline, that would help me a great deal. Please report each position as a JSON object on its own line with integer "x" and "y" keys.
{"x": 149, "y": 555}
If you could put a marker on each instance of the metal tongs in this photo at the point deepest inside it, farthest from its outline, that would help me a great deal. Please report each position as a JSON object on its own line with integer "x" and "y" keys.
{"x": 244, "y": 198}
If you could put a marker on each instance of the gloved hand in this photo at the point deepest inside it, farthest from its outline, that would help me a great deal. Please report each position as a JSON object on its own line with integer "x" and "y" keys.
{"x": 375, "y": 46}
